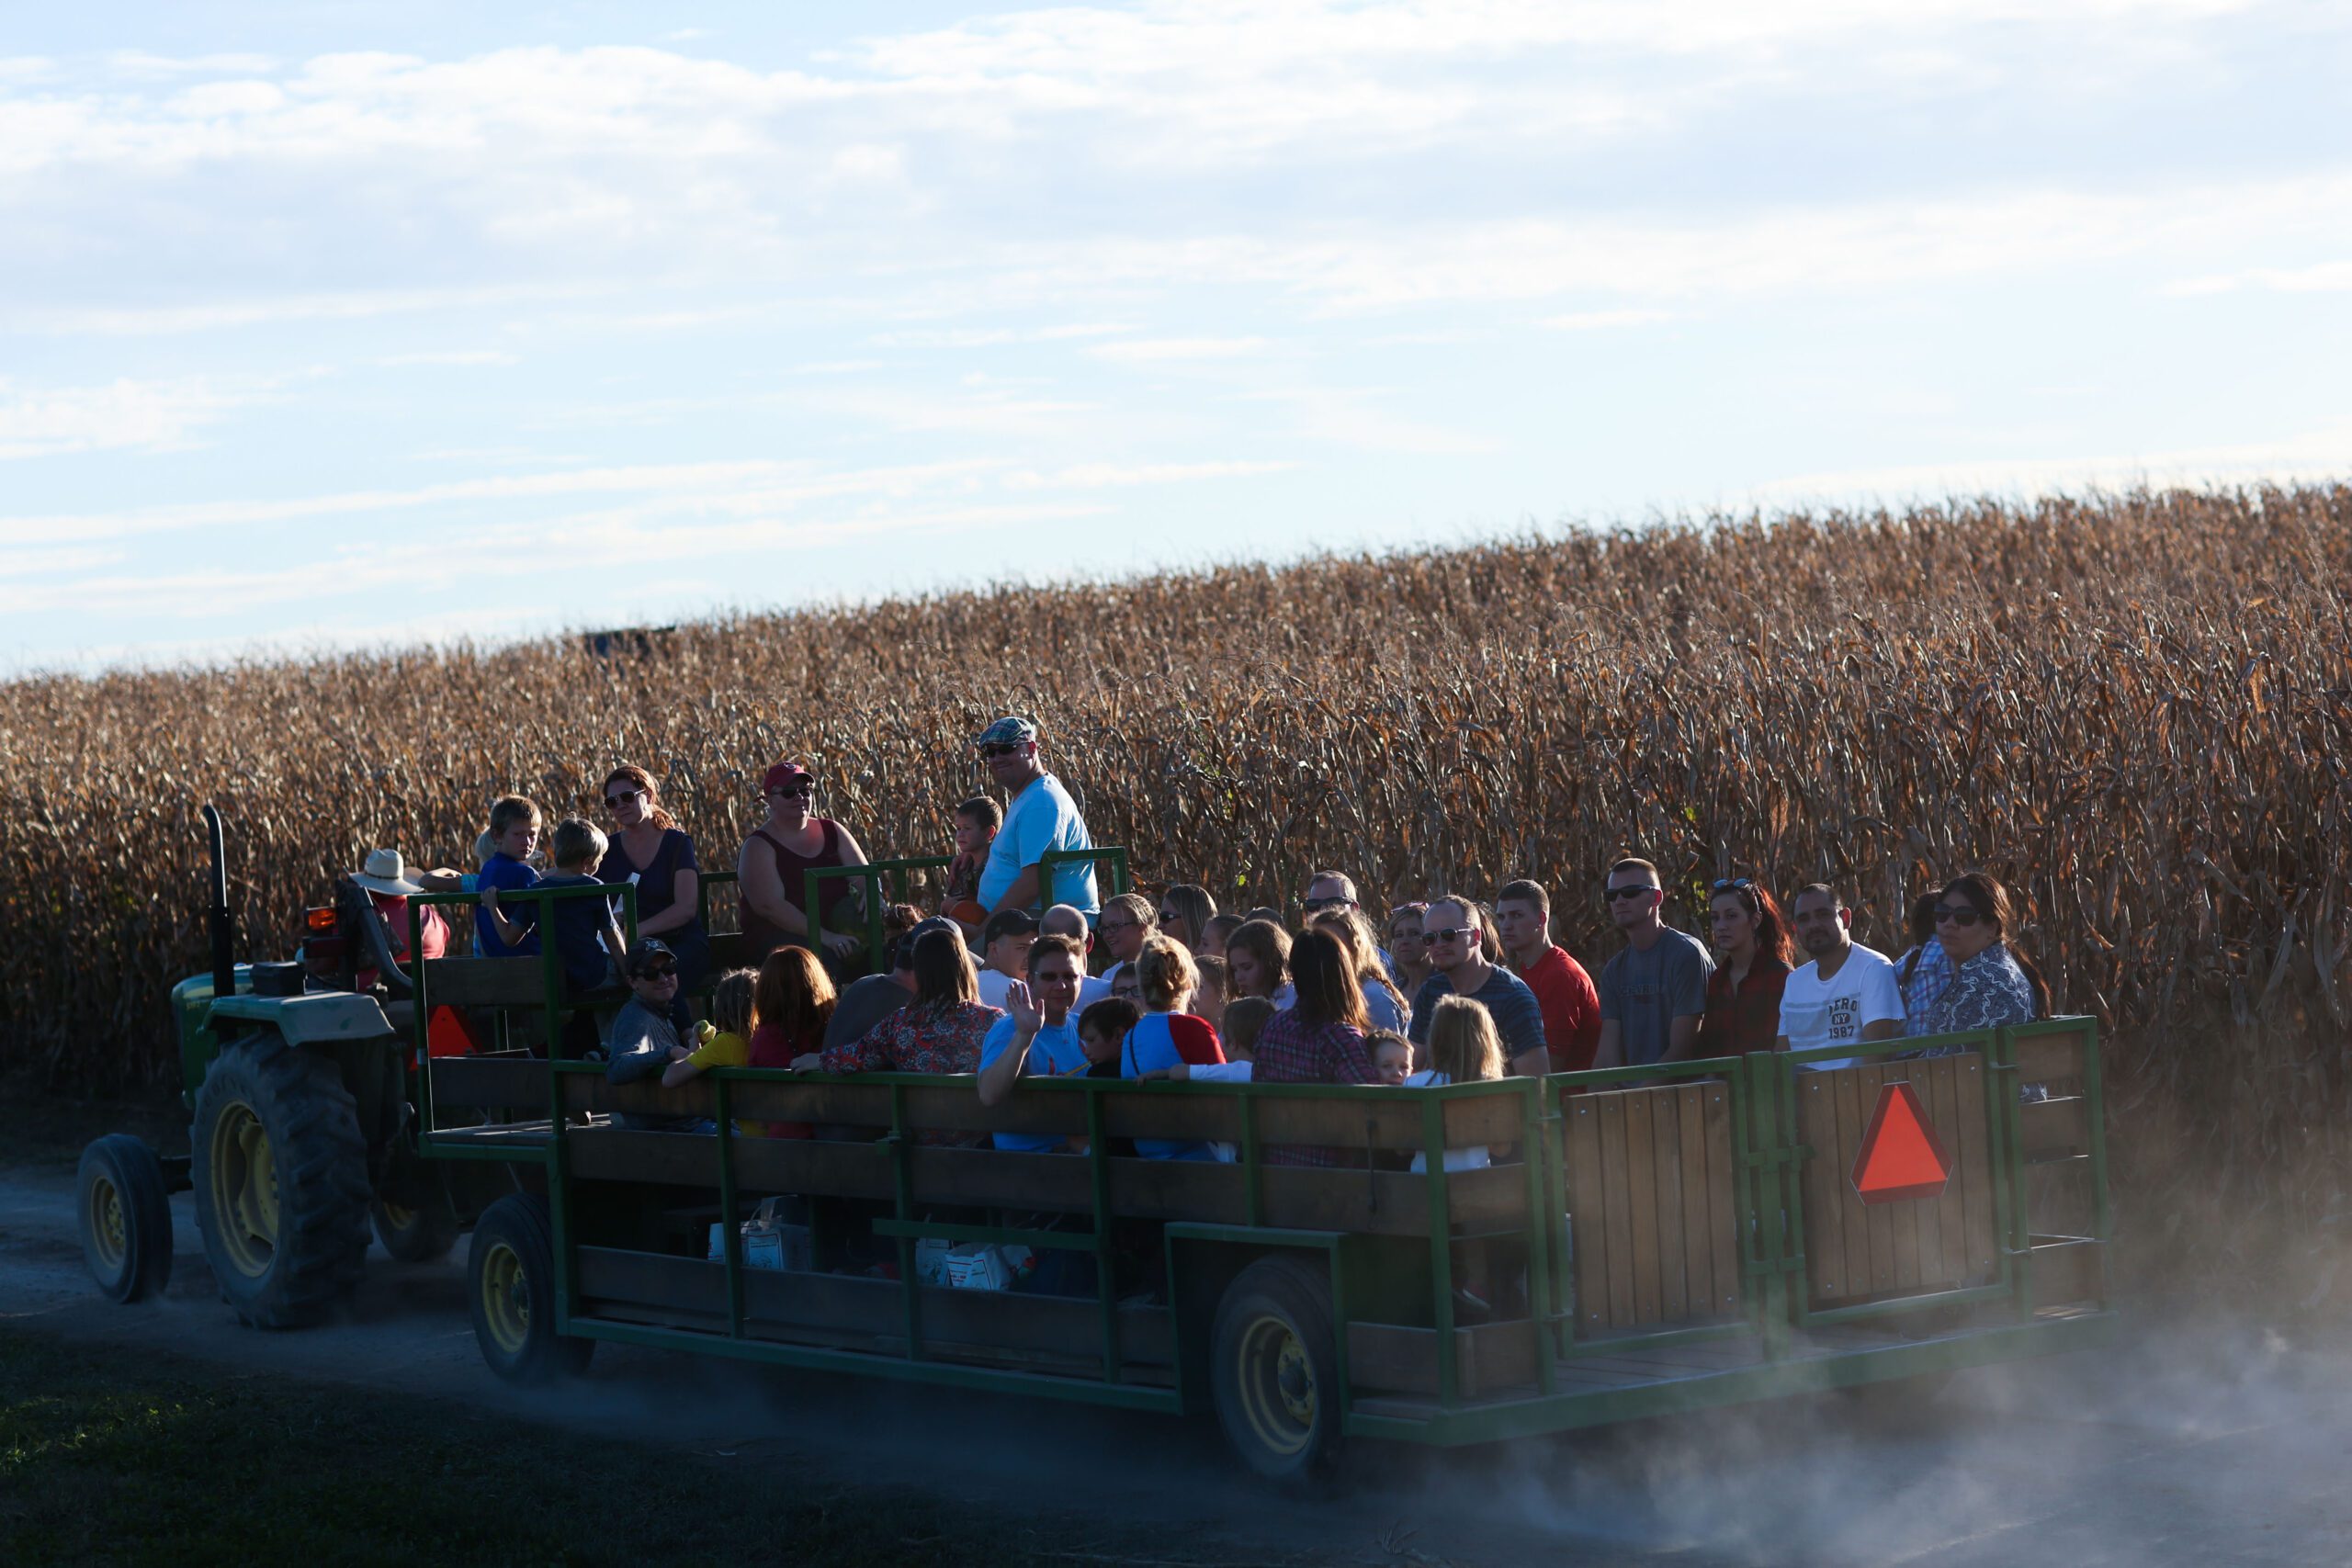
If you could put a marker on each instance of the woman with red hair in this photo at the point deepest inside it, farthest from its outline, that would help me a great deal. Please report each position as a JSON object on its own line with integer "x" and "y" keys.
{"x": 1752, "y": 967}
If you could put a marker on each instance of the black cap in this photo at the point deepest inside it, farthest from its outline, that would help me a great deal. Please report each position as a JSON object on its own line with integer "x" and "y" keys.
{"x": 642, "y": 955}
{"x": 905, "y": 958}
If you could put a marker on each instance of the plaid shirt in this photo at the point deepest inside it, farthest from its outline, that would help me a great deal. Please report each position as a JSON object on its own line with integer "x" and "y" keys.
{"x": 1930, "y": 977}
{"x": 1747, "y": 1019}
{"x": 1291, "y": 1050}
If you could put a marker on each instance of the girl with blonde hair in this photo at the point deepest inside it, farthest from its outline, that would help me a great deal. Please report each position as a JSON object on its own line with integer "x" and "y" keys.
{"x": 1465, "y": 1047}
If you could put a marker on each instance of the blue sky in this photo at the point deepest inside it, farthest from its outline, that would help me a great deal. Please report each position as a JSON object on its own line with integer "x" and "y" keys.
{"x": 343, "y": 325}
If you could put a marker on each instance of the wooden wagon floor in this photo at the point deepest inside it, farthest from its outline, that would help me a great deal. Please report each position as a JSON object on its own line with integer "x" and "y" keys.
{"x": 1648, "y": 1366}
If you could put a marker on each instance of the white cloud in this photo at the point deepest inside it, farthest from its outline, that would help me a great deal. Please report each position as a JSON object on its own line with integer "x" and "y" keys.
{"x": 450, "y": 356}
{"x": 1595, "y": 321}
{"x": 134, "y": 522}
{"x": 2325, "y": 277}
{"x": 1348, "y": 417}
{"x": 2322, "y": 454}
{"x": 123, "y": 414}
{"x": 1107, "y": 476}
{"x": 150, "y": 320}
{"x": 1154, "y": 351}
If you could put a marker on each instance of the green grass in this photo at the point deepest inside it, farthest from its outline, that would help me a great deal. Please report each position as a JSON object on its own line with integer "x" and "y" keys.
{"x": 161, "y": 1460}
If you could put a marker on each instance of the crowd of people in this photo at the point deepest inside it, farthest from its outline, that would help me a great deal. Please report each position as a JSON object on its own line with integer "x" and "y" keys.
{"x": 1024, "y": 971}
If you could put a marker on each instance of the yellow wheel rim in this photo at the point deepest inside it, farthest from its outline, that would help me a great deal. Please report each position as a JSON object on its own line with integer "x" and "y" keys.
{"x": 397, "y": 1218}
{"x": 109, "y": 1233}
{"x": 506, "y": 1298}
{"x": 245, "y": 1191}
{"x": 1277, "y": 1384}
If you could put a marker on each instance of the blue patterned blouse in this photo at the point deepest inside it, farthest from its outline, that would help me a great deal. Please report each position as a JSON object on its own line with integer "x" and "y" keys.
{"x": 1989, "y": 991}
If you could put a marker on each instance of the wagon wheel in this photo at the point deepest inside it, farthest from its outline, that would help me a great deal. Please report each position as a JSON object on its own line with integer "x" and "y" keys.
{"x": 509, "y": 1276}
{"x": 1275, "y": 1372}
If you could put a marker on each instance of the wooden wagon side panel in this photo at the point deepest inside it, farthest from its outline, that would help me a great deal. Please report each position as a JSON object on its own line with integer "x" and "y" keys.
{"x": 1651, "y": 1181}
{"x": 1857, "y": 1251}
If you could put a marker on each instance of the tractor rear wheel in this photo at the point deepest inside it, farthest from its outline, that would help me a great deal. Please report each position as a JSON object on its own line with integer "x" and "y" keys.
{"x": 126, "y": 1216}
{"x": 510, "y": 1274}
{"x": 280, "y": 1172}
{"x": 1275, "y": 1372}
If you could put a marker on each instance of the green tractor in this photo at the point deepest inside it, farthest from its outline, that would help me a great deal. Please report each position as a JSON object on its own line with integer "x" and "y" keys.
{"x": 303, "y": 1135}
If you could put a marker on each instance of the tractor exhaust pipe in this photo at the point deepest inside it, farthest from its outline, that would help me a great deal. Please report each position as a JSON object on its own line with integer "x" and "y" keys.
{"x": 224, "y": 961}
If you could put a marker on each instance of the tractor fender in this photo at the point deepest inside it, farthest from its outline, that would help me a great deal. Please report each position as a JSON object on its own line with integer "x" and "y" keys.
{"x": 317, "y": 1019}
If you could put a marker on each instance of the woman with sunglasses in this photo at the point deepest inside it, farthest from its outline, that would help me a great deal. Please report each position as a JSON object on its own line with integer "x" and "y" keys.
{"x": 1754, "y": 958}
{"x": 648, "y": 848}
{"x": 1185, "y": 911}
{"x": 772, "y": 871}
{"x": 1992, "y": 985}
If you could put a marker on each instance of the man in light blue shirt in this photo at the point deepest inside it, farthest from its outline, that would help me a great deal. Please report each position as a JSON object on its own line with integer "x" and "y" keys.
{"x": 1037, "y": 1037}
{"x": 1039, "y": 817}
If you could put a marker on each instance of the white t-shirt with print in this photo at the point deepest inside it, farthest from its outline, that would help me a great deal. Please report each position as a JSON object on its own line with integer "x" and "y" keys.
{"x": 1865, "y": 990}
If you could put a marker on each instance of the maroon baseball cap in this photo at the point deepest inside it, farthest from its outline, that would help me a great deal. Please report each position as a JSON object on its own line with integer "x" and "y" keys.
{"x": 783, "y": 775}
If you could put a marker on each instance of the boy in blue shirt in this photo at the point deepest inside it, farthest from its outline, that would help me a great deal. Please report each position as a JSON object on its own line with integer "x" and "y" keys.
{"x": 587, "y": 934}
{"x": 513, "y": 834}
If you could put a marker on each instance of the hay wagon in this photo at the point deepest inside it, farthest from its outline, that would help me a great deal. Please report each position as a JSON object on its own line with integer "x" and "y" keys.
{"x": 1671, "y": 1239}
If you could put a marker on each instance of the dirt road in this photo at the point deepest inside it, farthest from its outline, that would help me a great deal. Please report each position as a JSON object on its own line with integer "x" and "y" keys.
{"x": 2219, "y": 1445}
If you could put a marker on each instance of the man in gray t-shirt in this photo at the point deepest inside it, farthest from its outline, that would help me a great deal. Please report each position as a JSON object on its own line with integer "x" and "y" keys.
{"x": 1653, "y": 993}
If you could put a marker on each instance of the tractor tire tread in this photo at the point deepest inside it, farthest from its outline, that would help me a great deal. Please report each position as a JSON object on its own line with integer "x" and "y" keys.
{"x": 322, "y": 1164}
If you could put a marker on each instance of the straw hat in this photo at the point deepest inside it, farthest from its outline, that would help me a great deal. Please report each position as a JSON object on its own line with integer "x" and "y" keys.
{"x": 385, "y": 872}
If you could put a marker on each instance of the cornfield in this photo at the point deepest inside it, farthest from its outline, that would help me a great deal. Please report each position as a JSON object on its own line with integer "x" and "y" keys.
{"x": 2135, "y": 710}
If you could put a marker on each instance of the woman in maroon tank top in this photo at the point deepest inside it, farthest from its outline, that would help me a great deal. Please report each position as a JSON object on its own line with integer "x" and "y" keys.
{"x": 789, "y": 843}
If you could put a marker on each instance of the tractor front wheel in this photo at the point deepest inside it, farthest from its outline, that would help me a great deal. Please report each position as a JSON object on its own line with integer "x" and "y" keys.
{"x": 126, "y": 1216}
{"x": 1275, "y": 1372}
{"x": 280, "y": 1172}
{"x": 510, "y": 1274}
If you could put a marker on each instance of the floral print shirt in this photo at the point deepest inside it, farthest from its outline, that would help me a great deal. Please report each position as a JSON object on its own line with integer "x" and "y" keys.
{"x": 937, "y": 1039}
{"x": 914, "y": 1039}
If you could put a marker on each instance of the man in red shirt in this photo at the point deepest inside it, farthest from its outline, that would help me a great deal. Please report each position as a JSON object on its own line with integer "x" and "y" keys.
{"x": 1563, "y": 990}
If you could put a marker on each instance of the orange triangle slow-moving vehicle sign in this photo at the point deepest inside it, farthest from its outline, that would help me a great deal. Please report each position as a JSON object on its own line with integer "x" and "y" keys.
{"x": 1900, "y": 1157}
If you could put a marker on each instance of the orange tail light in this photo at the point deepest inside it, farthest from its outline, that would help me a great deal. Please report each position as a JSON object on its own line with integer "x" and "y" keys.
{"x": 318, "y": 919}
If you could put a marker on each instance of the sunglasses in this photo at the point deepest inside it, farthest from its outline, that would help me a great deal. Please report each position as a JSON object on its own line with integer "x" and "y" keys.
{"x": 999, "y": 750}
{"x": 1638, "y": 890}
{"x": 1167, "y": 915}
{"x": 658, "y": 971}
{"x": 1448, "y": 934}
{"x": 1314, "y": 904}
{"x": 1732, "y": 885}
{"x": 1957, "y": 915}
{"x": 800, "y": 789}
{"x": 616, "y": 802}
